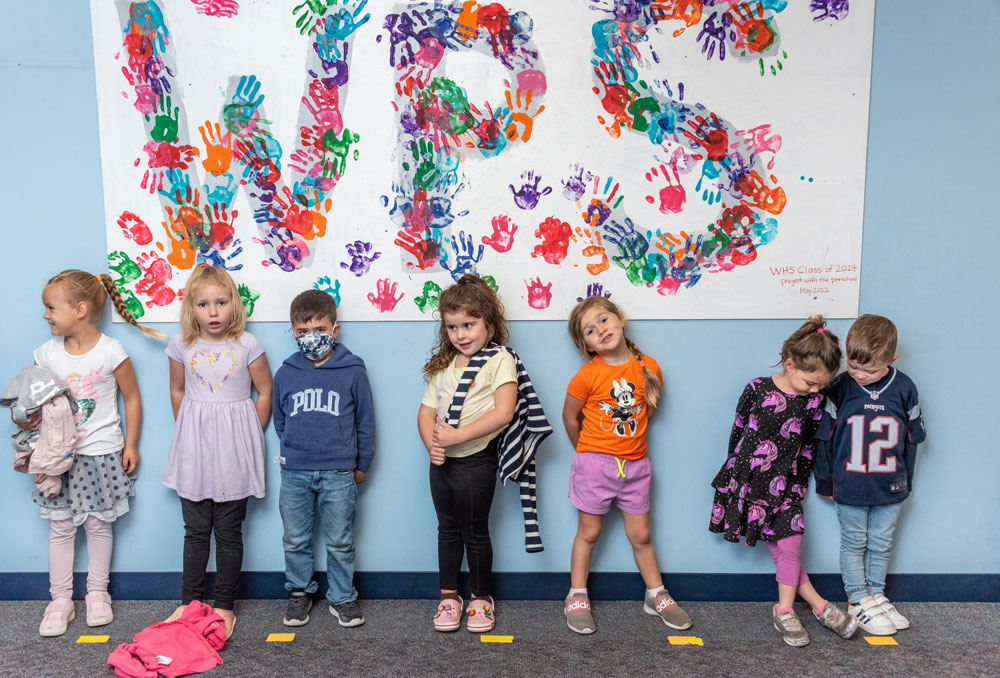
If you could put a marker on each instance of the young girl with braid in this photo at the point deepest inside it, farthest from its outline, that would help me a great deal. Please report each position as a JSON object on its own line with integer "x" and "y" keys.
{"x": 96, "y": 490}
{"x": 761, "y": 486}
{"x": 615, "y": 393}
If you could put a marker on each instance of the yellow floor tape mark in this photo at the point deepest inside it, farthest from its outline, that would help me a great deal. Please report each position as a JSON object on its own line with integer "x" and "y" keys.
{"x": 881, "y": 640}
{"x": 496, "y": 639}
{"x": 685, "y": 640}
{"x": 93, "y": 639}
{"x": 281, "y": 638}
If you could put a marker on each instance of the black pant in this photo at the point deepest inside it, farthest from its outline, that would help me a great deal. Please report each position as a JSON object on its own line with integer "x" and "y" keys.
{"x": 200, "y": 519}
{"x": 462, "y": 490}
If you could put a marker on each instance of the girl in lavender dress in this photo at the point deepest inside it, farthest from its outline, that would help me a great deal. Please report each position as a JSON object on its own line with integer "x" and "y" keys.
{"x": 216, "y": 459}
{"x": 760, "y": 489}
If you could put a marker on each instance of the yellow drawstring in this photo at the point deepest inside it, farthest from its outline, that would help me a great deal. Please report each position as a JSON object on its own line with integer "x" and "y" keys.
{"x": 621, "y": 467}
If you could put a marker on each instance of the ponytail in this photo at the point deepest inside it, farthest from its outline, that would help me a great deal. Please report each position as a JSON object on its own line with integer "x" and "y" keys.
{"x": 812, "y": 347}
{"x": 651, "y": 382}
{"x": 122, "y": 308}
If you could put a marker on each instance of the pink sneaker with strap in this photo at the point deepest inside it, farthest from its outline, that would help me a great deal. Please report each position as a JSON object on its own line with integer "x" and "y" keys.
{"x": 449, "y": 615}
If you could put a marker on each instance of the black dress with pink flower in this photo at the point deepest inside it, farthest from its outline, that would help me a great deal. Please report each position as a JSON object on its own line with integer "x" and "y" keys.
{"x": 759, "y": 490}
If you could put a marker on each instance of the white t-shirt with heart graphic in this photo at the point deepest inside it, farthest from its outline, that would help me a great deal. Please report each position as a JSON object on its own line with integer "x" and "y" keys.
{"x": 91, "y": 377}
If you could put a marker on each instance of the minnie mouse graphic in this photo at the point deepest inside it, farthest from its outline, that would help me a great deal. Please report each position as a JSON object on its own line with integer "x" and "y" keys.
{"x": 624, "y": 414}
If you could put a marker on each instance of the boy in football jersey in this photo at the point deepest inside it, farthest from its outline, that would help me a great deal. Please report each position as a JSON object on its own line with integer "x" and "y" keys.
{"x": 865, "y": 461}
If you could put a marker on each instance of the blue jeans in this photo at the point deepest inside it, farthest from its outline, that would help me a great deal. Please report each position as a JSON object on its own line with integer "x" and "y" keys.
{"x": 333, "y": 496}
{"x": 865, "y": 547}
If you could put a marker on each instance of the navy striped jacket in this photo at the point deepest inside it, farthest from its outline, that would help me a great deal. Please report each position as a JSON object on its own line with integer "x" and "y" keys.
{"x": 518, "y": 442}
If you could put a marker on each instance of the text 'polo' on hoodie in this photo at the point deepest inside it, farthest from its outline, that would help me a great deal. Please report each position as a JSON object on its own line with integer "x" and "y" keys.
{"x": 323, "y": 414}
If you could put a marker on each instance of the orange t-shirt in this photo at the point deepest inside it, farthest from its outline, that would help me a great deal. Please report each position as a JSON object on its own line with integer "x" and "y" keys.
{"x": 614, "y": 406}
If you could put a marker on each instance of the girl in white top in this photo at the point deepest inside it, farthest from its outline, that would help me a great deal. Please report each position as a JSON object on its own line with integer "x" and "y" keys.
{"x": 97, "y": 488}
{"x": 464, "y": 460}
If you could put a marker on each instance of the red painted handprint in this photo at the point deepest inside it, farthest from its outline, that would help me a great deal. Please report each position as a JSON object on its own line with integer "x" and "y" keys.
{"x": 503, "y": 234}
{"x": 539, "y": 295}
{"x": 153, "y": 284}
{"x": 134, "y": 228}
{"x": 672, "y": 196}
{"x": 555, "y": 236}
{"x": 712, "y": 136}
{"x": 386, "y": 299}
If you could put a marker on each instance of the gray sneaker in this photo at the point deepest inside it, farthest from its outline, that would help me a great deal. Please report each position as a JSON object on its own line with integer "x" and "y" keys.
{"x": 790, "y": 627}
{"x": 348, "y": 614}
{"x": 578, "y": 615}
{"x": 667, "y": 609}
{"x": 838, "y": 621}
{"x": 297, "y": 612}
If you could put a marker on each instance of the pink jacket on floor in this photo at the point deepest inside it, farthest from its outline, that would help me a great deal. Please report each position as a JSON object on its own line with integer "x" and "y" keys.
{"x": 188, "y": 645}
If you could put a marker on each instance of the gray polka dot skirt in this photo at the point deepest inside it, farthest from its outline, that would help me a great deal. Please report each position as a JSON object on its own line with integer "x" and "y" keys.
{"x": 96, "y": 485}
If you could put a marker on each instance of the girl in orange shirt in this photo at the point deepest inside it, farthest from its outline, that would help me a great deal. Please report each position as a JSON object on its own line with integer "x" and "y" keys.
{"x": 608, "y": 404}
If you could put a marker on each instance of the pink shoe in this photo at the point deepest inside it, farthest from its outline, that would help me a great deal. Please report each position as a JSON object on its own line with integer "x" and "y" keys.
{"x": 58, "y": 615}
{"x": 481, "y": 615}
{"x": 449, "y": 615}
{"x": 99, "y": 611}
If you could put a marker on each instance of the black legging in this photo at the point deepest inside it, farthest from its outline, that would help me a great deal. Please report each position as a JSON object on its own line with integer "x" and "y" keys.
{"x": 201, "y": 518}
{"x": 462, "y": 490}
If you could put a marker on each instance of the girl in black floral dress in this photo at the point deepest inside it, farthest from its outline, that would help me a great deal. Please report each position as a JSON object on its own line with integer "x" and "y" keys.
{"x": 760, "y": 488}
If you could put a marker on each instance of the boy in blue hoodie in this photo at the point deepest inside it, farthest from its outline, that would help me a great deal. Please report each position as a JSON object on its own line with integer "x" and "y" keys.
{"x": 323, "y": 415}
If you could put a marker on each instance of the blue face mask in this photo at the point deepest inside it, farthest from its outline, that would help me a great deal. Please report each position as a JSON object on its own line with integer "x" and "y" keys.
{"x": 315, "y": 346}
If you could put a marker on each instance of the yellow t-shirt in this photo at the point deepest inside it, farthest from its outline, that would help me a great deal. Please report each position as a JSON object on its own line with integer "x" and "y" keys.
{"x": 497, "y": 371}
{"x": 615, "y": 411}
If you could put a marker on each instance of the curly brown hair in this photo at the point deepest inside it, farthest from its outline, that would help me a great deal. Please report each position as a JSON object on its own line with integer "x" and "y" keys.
{"x": 812, "y": 347}
{"x": 94, "y": 290}
{"x": 472, "y": 296}
{"x": 651, "y": 382}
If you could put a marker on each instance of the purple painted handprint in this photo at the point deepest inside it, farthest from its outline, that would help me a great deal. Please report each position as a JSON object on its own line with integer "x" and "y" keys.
{"x": 362, "y": 257}
{"x": 575, "y": 186}
{"x": 596, "y": 290}
{"x": 829, "y": 9}
{"x": 528, "y": 195}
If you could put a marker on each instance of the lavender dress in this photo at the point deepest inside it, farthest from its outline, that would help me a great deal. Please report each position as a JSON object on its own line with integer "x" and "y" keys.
{"x": 759, "y": 490}
{"x": 218, "y": 447}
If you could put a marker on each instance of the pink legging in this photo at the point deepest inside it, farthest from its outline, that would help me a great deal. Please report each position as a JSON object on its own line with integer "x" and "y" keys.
{"x": 787, "y": 555}
{"x": 62, "y": 535}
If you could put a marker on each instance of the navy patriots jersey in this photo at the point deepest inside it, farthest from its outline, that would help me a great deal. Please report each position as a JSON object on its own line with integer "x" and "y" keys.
{"x": 868, "y": 444}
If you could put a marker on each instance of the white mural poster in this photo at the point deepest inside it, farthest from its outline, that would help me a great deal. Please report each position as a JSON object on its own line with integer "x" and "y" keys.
{"x": 689, "y": 158}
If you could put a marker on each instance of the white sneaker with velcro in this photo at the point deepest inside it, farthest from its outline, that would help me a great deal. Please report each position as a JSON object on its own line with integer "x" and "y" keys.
{"x": 872, "y": 618}
{"x": 894, "y": 615}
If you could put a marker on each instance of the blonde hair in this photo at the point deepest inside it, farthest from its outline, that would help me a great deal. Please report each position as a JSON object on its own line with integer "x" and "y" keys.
{"x": 871, "y": 339}
{"x": 201, "y": 277}
{"x": 812, "y": 346}
{"x": 472, "y": 296}
{"x": 651, "y": 382}
{"x": 94, "y": 290}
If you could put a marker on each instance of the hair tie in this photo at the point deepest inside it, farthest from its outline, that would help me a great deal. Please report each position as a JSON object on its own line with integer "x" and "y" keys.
{"x": 820, "y": 329}
{"x": 98, "y": 276}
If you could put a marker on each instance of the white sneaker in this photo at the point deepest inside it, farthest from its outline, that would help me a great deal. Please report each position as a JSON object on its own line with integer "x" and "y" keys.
{"x": 897, "y": 619}
{"x": 58, "y": 615}
{"x": 872, "y": 618}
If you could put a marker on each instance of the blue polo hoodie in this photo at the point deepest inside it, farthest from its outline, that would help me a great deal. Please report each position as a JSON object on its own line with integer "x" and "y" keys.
{"x": 323, "y": 414}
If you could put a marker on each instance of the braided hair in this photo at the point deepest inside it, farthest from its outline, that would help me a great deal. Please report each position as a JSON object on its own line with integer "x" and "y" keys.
{"x": 94, "y": 290}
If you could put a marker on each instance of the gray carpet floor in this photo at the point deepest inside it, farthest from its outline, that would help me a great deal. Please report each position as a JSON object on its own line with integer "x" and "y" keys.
{"x": 946, "y": 639}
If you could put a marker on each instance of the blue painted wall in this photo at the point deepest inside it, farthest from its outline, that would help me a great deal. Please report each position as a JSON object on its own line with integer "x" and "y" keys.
{"x": 928, "y": 263}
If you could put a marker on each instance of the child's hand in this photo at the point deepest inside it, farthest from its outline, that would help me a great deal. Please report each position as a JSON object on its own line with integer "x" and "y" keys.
{"x": 30, "y": 425}
{"x": 825, "y": 497}
{"x": 437, "y": 455}
{"x": 130, "y": 460}
{"x": 444, "y": 435}
{"x": 359, "y": 476}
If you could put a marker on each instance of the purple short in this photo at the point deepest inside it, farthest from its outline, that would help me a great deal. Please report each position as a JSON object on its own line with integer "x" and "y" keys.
{"x": 596, "y": 480}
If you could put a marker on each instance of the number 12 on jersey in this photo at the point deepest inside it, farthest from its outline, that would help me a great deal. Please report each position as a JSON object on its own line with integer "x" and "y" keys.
{"x": 886, "y": 437}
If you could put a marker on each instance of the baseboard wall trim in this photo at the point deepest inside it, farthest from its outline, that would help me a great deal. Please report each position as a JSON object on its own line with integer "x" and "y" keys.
{"x": 710, "y": 587}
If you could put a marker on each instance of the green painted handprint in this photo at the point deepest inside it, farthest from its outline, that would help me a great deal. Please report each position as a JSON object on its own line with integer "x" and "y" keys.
{"x": 428, "y": 301}
{"x": 247, "y": 298}
{"x": 127, "y": 270}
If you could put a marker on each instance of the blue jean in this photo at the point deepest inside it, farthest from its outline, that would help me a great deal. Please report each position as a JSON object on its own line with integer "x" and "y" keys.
{"x": 333, "y": 496}
{"x": 865, "y": 547}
